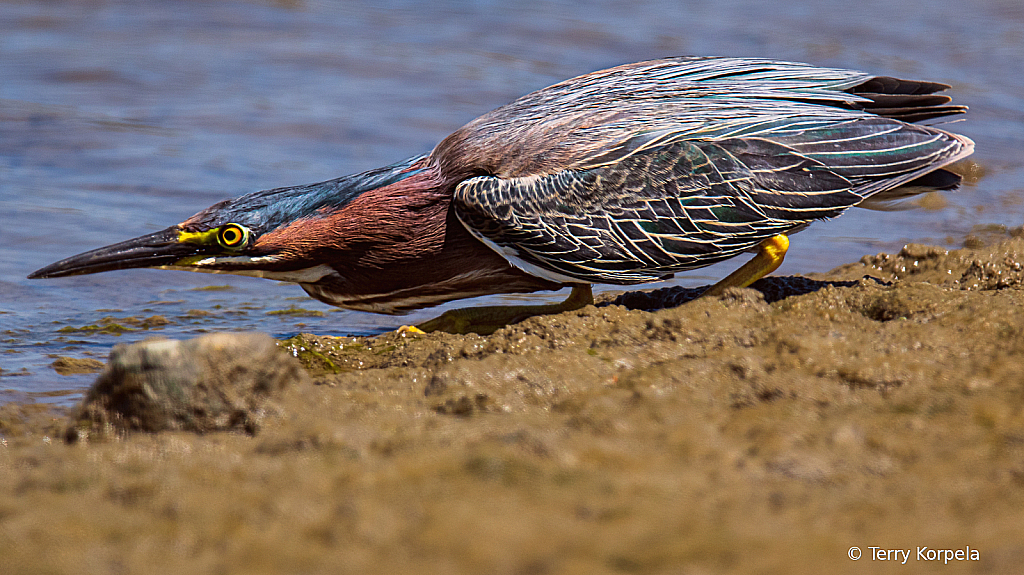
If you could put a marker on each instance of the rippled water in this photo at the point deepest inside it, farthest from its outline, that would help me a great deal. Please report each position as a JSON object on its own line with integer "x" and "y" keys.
{"x": 121, "y": 118}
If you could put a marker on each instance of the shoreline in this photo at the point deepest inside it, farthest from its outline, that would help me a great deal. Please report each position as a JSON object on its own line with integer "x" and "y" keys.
{"x": 758, "y": 430}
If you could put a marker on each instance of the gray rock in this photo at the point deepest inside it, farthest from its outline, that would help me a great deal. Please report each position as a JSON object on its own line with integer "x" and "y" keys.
{"x": 215, "y": 382}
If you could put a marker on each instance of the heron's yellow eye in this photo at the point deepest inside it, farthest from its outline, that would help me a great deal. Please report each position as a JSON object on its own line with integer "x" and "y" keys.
{"x": 233, "y": 236}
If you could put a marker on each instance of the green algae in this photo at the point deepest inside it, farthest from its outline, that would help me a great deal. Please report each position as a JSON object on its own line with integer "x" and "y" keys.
{"x": 297, "y": 311}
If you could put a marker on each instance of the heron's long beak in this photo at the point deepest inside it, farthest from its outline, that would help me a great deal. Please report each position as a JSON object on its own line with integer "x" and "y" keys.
{"x": 161, "y": 248}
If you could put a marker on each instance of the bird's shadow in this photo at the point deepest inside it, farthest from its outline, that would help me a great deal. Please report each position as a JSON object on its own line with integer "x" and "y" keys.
{"x": 773, "y": 288}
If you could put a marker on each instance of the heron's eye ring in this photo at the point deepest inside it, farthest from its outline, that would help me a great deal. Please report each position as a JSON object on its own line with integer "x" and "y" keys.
{"x": 233, "y": 236}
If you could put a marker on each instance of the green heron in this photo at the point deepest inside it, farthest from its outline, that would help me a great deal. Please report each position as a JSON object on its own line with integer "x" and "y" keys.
{"x": 621, "y": 176}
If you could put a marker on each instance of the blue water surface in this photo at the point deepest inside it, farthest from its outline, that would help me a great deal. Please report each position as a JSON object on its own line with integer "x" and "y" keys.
{"x": 119, "y": 118}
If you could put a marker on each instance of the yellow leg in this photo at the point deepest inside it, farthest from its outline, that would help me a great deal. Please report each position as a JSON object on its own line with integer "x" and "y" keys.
{"x": 769, "y": 257}
{"x": 487, "y": 320}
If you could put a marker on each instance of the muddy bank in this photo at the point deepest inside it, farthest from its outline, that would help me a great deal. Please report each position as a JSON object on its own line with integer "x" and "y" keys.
{"x": 763, "y": 432}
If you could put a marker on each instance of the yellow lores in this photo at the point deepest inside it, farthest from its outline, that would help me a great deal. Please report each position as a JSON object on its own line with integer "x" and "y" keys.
{"x": 228, "y": 236}
{"x": 231, "y": 237}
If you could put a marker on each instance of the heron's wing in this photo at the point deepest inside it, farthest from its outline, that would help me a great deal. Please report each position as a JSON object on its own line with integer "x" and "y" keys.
{"x": 602, "y": 115}
{"x": 670, "y": 204}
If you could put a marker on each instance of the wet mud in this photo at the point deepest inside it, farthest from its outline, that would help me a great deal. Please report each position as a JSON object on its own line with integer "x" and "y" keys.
{"x": 768, "y": 430}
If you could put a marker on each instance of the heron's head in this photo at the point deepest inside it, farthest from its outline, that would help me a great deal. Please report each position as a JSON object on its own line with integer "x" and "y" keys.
{"x": 285, "y": 234}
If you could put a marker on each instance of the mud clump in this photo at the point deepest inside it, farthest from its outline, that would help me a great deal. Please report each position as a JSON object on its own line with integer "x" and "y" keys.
{"x": 764, "y": 430}
{"x": 984, "y": 267}
{"x": 211, "y": 383}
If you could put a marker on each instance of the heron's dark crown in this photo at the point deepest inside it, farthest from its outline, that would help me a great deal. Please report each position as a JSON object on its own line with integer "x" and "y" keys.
{"x": 267, "y": 210}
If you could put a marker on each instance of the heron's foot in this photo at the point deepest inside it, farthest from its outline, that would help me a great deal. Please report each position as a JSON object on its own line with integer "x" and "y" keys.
{"x": 489, "y": 319}
{"x": 769, "y": 257}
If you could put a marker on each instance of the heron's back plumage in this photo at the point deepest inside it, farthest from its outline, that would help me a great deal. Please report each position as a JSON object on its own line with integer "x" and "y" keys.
{"x": 631, "y": 174}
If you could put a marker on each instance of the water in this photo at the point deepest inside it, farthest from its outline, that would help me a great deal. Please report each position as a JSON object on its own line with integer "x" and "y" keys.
{"x": 120, "y": 118}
